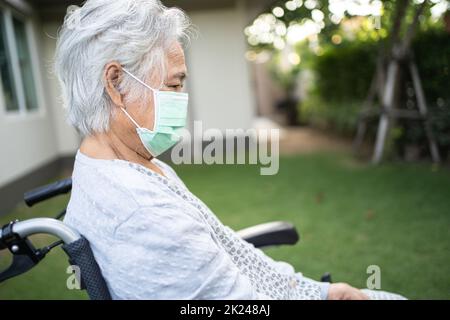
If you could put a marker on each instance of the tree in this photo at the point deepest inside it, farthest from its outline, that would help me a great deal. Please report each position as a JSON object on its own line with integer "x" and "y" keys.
{"x": 320, "y": 26}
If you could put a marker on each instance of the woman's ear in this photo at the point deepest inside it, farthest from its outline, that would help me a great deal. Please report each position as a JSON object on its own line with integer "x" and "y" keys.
{"x": 111, "y": 78}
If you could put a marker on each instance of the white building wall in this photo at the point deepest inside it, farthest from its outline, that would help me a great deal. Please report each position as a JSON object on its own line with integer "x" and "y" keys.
{"x": 26, "y": 143}
{"x": 27, "y": 140}
{"x": 219, "y": 87}
{"x": 219, "y": 81}
{"x": 67, "y": 138}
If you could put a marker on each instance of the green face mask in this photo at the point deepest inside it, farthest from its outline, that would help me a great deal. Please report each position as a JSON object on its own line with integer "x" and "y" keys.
{"x": 170, "y": 117}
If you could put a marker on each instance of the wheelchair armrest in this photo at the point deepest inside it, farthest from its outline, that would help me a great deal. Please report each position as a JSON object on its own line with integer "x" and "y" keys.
{"x": 48, "y": 191}
{"x": 270, "y": 234}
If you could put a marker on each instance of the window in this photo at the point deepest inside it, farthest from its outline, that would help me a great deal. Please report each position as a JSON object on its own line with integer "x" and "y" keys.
{"x": 6, "y": 78}
{"x": 23, "y": 54}
{"x": 17, "y": 84}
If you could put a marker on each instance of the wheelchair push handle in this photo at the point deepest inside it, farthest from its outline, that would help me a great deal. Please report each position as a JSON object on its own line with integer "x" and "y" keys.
{"x": 48, "y": 191}
{"x": 49, "y": 226}
{"x": 14, "y": 236}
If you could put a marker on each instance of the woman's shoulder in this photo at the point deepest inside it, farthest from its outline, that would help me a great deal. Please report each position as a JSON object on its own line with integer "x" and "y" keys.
{"x": 117, "y": 186}
{"x": 167, "y": 169}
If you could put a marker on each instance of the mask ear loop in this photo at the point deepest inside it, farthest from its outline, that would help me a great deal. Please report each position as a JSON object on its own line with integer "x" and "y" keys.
{"x": 155, "y": 98}
{"x": 132, "y": 120}
{"x": 137, "y": 79}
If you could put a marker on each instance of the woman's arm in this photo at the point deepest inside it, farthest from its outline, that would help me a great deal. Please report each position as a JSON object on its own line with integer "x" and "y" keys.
{"x": 168, "y": 254}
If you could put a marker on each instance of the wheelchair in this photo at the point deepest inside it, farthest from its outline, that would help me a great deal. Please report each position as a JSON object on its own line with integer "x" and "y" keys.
{"x": 14, "y": 237}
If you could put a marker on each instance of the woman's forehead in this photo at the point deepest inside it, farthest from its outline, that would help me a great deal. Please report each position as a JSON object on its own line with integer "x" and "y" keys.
{"x": 176, "y": 61}
{"x": 176, "y": 52}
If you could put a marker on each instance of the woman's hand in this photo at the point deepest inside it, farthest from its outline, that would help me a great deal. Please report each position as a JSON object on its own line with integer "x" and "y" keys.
{"x": 343, "y": 291}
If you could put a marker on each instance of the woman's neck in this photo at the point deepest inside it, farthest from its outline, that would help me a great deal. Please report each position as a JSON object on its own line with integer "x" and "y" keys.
{"x": 108, "y": 146}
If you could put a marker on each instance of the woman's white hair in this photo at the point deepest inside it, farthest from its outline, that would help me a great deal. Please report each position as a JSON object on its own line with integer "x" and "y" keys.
{"x": 135, "y": 33}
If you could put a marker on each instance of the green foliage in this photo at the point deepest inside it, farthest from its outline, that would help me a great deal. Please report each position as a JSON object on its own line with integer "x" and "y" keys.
{"x": 344, "y": 72}
{"x": 432, "y": 55}
{"x": 337, "y": 116}
{"x": 286, "y": 79}
{"x": 342, "y": 79}
{"x": 343, "y": 76}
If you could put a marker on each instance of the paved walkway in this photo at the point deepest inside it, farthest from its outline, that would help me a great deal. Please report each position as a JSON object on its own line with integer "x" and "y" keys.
{"x": 300, "y": 140}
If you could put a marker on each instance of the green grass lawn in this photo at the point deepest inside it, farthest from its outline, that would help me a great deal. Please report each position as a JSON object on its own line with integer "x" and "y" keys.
{"x": 350, "y": 216}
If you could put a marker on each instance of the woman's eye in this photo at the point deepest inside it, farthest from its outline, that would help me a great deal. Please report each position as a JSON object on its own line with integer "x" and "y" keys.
{"x": 176, "y": 86}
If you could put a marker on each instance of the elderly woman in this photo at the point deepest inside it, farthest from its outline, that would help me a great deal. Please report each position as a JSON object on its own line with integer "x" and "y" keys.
{"x": 121, "y": 66}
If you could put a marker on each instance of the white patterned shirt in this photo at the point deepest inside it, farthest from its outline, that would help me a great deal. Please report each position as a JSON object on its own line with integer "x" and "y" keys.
{"x": 153, "y": 239}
